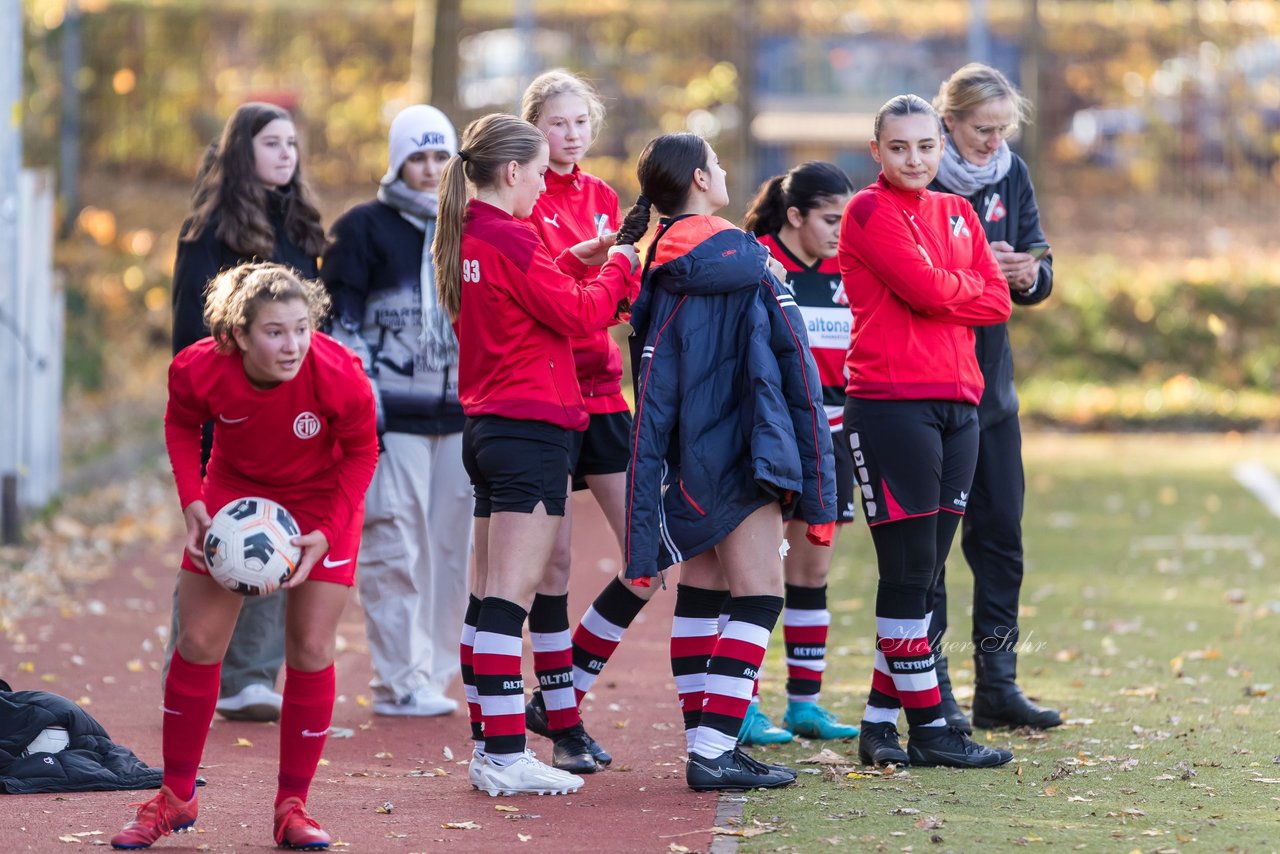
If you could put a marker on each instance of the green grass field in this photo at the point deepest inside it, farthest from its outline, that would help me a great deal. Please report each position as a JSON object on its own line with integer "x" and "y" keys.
{"x": 1151, "y": 618}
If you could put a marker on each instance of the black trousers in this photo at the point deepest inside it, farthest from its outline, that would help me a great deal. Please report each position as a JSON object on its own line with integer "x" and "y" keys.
{"x": 991, "y": 539}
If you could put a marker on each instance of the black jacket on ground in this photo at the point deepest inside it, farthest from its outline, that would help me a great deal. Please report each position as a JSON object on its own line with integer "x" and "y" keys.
{"x": 1008, "y": 212}
{"x": 91, "y": 762}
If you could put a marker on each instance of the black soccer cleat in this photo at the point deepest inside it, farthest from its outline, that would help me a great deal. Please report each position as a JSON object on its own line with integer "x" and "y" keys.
{"x": 878, "y": 745}
{"x": 949, "y": 746}
{"x": 569, "y": 751}
{"x": 755, "y": 764}
{"x": 535, "y": 720}
{"x": 734, "y": 770}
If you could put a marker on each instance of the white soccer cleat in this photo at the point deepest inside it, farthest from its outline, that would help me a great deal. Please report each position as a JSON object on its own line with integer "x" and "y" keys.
{"x": 525, "y": 776}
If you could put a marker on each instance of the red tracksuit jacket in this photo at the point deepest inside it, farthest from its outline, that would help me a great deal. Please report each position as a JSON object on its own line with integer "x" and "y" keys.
{"x": 315, "y": 432}
{"x": 577, "y": 207}
{"x": 519, "y": 309}
{"x": 918, "y": 274}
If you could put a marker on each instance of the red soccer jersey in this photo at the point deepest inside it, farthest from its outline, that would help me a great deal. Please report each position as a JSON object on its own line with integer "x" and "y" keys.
{"x": 315, "y": 434}
{"x": 578, "y": 207}
{"x": 918, "y": 274}
{"x": 519, "y": 309}
{"x": 820, "y": 297}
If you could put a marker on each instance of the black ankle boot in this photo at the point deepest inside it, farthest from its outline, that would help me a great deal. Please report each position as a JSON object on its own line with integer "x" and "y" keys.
{"x": 997, "y": 700}
{"x": 950, "y": 708}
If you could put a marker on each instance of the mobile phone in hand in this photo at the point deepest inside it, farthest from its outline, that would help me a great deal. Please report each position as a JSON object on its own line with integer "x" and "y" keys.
{"x": 1037, "y": 252}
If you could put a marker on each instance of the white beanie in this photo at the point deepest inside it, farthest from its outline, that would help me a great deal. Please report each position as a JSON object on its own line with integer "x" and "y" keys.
{"x": 417, "y": 128}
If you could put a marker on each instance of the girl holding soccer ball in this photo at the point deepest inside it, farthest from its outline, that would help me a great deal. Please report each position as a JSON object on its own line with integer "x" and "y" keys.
{"x": 296, "y": 424}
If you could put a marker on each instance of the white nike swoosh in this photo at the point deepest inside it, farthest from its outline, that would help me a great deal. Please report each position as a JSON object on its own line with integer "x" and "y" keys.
{"x": 225, "y": 420}
{"x": 169, "y": 711}
{"x": 306, "y": 733}
{"x": 332, "y": 563}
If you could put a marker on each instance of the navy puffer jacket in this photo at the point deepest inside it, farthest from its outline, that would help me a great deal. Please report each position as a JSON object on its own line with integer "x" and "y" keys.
{"x": 91, "y": 762}
{"x": 729, "y": 410}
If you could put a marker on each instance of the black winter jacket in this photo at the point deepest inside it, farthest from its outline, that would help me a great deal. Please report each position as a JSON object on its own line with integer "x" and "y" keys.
{"x": 729, "y": 410}
{"x": 90, "y": 763}
{"x": 201, "y": 259}
{"x": 372, "y": 270}
{"x": 1008, "y": 212}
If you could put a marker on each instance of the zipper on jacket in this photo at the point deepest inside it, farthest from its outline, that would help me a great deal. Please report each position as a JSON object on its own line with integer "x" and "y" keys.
{"x": 552, "y": 365}
{"x": 689, "y": 498}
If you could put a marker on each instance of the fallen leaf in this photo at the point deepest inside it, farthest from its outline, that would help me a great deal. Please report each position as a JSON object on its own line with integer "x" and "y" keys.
{"x": 461, "y": 825}
{"x": 448, "y": 754}
{"x": 505, "y": 808}
{"x": 68, "y": 838}
{"x": 929, "y": 823}
{"x": 904, "y": 811}
{"x": 324, "y": 761}
{"x": 243, "y": 742}
{"x": 826, "y": 757}
{"x": 134, "y": 666}
{"x": 382, "y": 754}
{"x": 525, "y": 837}
{"x": 677, "y": 848}
{"x": 385, "y": 809}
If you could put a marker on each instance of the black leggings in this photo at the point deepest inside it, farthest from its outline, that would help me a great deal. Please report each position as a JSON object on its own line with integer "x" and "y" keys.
{"x": 910, "y": 554}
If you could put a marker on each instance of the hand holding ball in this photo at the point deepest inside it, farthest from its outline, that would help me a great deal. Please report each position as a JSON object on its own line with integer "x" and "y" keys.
{"x": 247, "y": 548}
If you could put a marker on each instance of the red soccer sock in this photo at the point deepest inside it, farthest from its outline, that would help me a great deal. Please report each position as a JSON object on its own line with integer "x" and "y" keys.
{"x": 190, "y": 694}
{"x": 305, "y": 716}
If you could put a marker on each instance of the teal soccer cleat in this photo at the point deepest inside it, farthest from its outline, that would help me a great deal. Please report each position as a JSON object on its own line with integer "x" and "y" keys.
{"x": 812, "y": 721}
{"x": 757, "y": 729}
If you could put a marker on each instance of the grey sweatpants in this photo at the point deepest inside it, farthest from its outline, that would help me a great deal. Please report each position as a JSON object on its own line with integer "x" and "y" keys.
{"x": 414, "y": 559}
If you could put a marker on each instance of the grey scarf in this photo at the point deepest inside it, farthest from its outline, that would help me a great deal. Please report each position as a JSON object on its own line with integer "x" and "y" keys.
{"x": 963, "y": 178}
{"x": 439, "y": 344}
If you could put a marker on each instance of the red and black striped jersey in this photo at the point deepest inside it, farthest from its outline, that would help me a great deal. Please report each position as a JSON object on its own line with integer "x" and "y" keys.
{"x": 820, "y": 295}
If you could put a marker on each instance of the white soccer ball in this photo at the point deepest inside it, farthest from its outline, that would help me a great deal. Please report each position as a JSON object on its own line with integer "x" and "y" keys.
{"x": 247, "y": 548}
{"x": 52, "y": 739}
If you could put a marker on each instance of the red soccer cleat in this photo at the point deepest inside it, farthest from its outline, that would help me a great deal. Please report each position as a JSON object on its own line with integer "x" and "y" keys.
{"x": 158, "y": 817}
{"x": 297, "y": 830}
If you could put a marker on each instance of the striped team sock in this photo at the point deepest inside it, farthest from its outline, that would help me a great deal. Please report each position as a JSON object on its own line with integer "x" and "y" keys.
{"x": 190, "y": 693}
{"x": 902, "y": 640}
{"x": 553, "y": 659}
{"x": 693, "y": 638}
{"x": 466, "y": 652}
{"x": 883, "y": 705}
{"x": 499, "y": 685}
{"x": 305, "y": 716}
{"x": 599, "y": 633}
{"x": 734, "y": 665}
{"x": 805, "y": 619}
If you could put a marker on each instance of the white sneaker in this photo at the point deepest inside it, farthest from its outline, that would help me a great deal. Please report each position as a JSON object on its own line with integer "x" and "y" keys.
{"x": 255, "y": 702}
{"x": 419, "y": 704}
{"x": 473, "y": 768}
{"x": 525, "y": 776}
